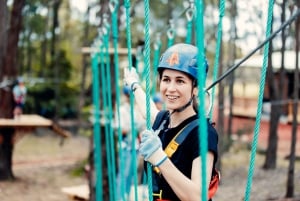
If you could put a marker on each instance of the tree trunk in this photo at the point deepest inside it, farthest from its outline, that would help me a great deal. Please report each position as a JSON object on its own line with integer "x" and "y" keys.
{"x": 232, "y": 57}
{"x": 54, "y": 55}
{"x": 271, "y": 155}
{"x": 291, "y": 168}
{"x": 3, "y": 33}
{"x": 85, "y": 64}
{"x": 9, "y": 71}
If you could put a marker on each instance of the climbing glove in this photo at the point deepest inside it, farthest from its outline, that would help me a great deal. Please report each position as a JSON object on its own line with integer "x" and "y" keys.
{"x": 131, "y": 77}
{"x": 151, "y": 148}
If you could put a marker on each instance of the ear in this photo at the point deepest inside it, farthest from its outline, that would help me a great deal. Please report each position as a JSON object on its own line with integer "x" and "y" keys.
{"x": 195, "y": 91}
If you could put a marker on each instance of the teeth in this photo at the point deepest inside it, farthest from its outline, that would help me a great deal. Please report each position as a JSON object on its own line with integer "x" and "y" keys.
{"x": 172, "y": 97}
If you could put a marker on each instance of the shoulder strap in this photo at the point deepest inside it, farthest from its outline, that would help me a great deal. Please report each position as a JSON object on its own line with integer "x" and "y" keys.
{"x": 177, "y": 140}
{"x": 160, "y": 120}
{"x": 180, "y": 137}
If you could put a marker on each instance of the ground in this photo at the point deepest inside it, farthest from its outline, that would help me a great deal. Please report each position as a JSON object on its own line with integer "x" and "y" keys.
{"x": 43, "y": 164}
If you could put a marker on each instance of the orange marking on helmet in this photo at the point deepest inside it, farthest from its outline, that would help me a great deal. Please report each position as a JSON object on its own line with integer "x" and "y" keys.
{"x": 173, "y": 59}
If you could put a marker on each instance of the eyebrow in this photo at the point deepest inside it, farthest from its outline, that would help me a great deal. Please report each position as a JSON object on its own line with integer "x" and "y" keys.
{"x": 177, "y": 77}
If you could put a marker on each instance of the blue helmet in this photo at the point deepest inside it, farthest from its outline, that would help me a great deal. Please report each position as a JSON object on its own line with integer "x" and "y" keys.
{"x": 182, "y": 57}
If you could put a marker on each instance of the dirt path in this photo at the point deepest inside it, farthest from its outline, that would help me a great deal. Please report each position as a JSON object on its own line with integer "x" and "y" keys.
{"x": 43, "y": 166}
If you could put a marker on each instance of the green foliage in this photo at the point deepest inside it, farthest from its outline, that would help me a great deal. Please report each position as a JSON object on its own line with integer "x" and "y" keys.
{"x": 41, "y": 100}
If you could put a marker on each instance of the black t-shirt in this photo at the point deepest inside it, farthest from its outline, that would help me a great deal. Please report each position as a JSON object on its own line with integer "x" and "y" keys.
{"x": 187, "y": 151}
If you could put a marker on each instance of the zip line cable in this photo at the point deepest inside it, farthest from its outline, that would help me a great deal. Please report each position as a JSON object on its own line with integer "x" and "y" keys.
{"x": 230, "y": 70}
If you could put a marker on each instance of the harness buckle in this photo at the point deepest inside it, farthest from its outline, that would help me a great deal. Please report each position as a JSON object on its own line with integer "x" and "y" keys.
{"x": 158, "y": 195}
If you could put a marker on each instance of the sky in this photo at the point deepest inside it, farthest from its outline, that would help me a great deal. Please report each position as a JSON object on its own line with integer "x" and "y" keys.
{"x": 81, "y": 5}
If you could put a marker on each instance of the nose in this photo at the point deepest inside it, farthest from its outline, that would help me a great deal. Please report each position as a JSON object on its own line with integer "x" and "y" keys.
{"x": 171, "y": 86}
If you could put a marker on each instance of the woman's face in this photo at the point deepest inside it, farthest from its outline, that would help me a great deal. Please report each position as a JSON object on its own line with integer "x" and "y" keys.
{"x": 175, "y": 88}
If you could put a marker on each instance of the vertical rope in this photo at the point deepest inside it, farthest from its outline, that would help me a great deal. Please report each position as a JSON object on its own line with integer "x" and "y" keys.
{"x": 171, "y": 33}
{"x": 105, "y": 110}
{"x": 97, "y": 134}
{"x": 190, "y": 18}
{"x": 109, "y": 114}
{"x": 201, "y": 83}
{"x": 259, "y": 106}
{"x": 218, "y": 52}
{"x": 114, "y": 5}
{"x": 157, "y": 48}
{"x": 128, "y": 36}
{"x": 147, "y": 65}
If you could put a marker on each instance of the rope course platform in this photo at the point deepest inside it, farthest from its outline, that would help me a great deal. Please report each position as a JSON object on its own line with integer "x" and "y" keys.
{"x": 80, "y": 192}
{"x": 31, "y": 121}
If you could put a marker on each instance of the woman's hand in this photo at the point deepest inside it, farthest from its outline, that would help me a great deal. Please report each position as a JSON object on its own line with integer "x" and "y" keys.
{"x": 151, "y": 148}
{"x": 131, "y": 77}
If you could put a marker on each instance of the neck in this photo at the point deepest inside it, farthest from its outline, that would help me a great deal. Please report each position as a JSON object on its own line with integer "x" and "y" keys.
{"x": 177, "y": 117}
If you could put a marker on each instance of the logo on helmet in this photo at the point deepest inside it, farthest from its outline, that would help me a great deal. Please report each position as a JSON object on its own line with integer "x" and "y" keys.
{"x": 173, "y": 59}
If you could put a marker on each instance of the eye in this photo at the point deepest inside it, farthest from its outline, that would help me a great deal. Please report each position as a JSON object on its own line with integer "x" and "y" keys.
{"x": 180, "y": 81}
{"x": 165, "y": 79}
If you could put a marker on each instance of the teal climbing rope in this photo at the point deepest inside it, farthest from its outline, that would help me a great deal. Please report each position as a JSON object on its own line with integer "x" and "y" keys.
{"x": 157, "y": 48}
{"x": 147, "y": 65}
{"x": 171, "y": 33}
{"x": 133, "y": 131}
{"x": 201, "y": 83}
{"x": 218, "y": 52}
{"x": 105, "y": 117}
{"x": 189, "y": 25}
{"x": 96, "y": 129}
{"x": 114, "y": 5}
{"x": 259, "y": 105}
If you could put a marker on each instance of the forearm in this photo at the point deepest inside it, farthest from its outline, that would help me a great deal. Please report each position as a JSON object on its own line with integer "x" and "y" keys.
{"x": 140, "y": 101}
{"x": 184, "y": 187}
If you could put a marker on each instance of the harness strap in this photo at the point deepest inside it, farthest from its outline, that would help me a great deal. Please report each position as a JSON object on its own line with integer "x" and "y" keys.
{"x": 180, "y": 137}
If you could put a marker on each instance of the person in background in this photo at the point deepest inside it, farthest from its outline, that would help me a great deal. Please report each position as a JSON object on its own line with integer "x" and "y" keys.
{"x": 177, "y": 177}
{"x": 126, "y": 145}
{"x": 19, "y": 95}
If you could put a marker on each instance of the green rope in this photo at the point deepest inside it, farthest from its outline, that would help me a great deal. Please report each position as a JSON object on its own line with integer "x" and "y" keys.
{"x": 171, "y": 33}
{"x": 157, "y": 48}
{"x": 259, "y": 106}
{"x": 128, "y": 31}
{"x": 147, "y": 65}
{"x": 201, "y": 84}
{"x": 97, "y": 130}
{"x": 114, "y": 5}
{"x": 104, "y": 109}
{"x": 218, "y": 52}
{"x": 111, "y": 144}
{"x": 133, "y": 131}
{"x": 190, "y": 17}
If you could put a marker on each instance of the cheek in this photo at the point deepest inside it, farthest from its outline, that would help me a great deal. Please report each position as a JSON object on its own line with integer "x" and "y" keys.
{"x": 162, "y": 87}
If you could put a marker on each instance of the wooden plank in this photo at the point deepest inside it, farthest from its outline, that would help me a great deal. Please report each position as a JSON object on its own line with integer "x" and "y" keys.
{"x": 33, "y": 121}
{"x": 77, "y": 192}
{"x": 121, "y": 51}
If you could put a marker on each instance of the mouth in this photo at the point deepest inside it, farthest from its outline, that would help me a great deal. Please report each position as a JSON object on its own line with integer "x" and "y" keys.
{"x": 172, "y": 98}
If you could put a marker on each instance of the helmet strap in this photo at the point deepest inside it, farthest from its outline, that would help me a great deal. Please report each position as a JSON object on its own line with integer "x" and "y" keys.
{"x": 183, "y": 107}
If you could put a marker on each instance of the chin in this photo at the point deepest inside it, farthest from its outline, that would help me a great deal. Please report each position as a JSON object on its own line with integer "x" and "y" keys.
{"x": 171, "y": 107}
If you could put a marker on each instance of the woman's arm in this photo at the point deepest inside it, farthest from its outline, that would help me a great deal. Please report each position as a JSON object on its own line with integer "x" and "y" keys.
{"x": 185, "y": 188}
{"x": 140, "y": 100}
{"x": 131, "y": 78}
